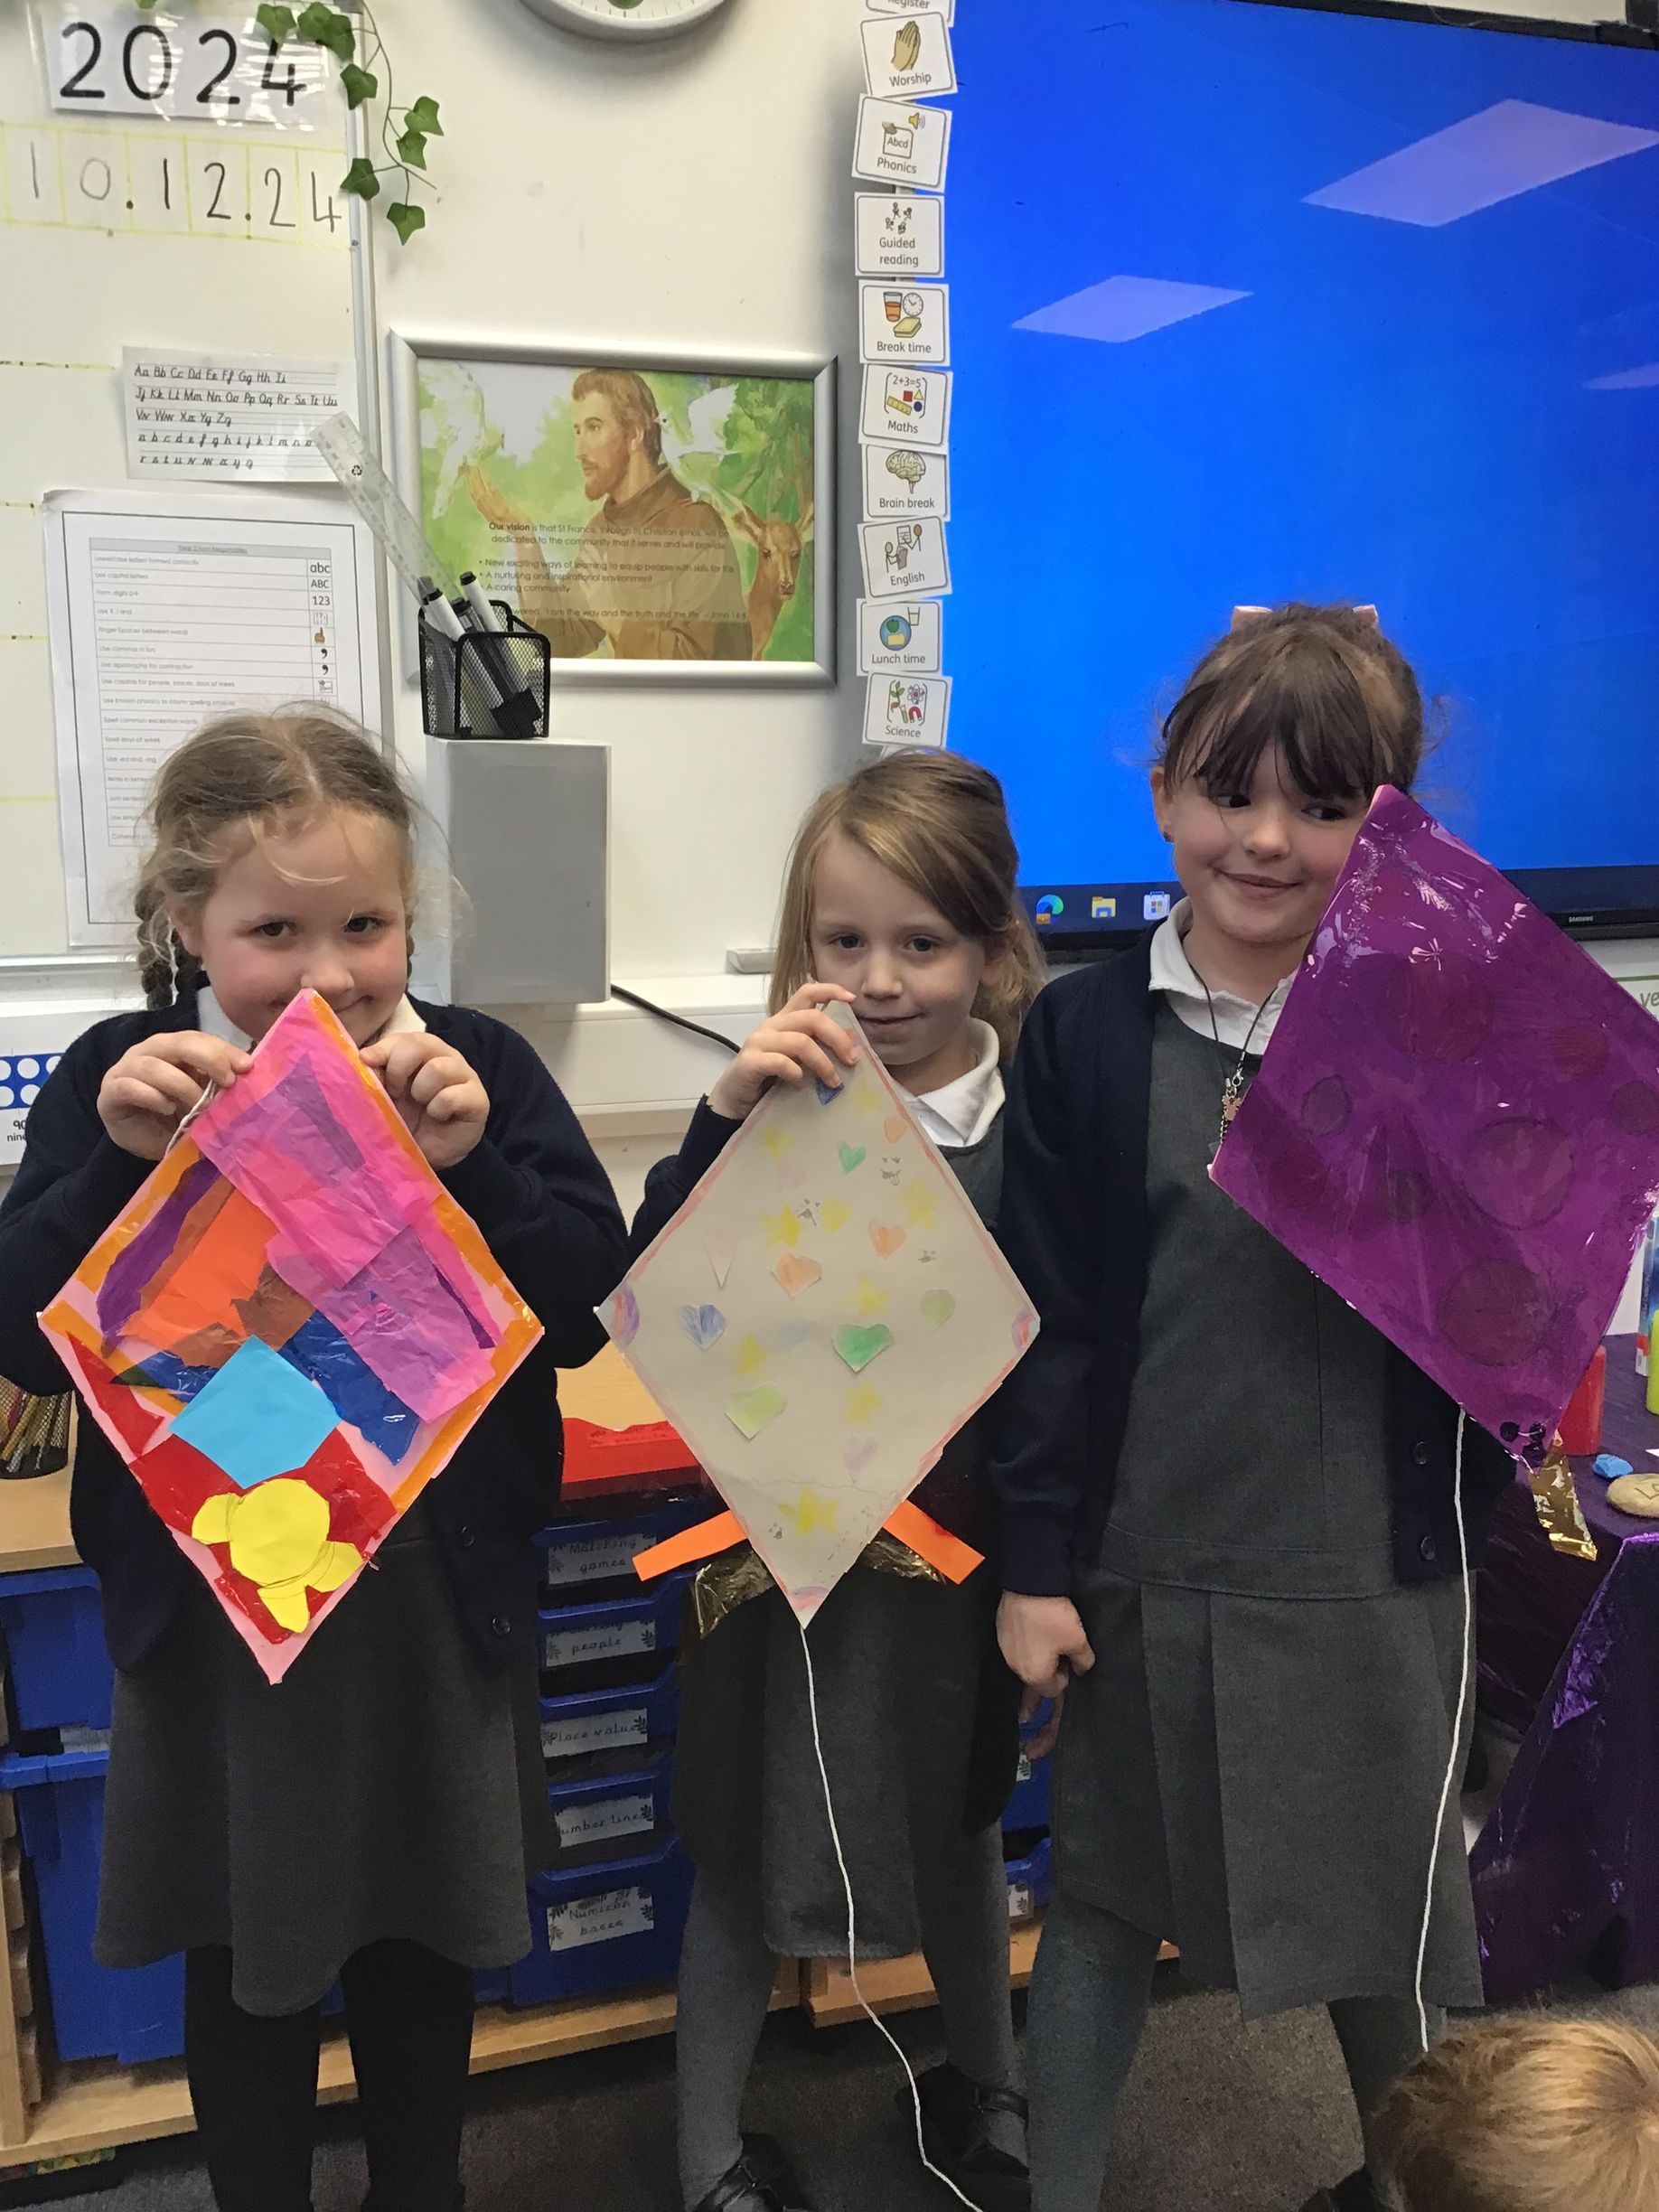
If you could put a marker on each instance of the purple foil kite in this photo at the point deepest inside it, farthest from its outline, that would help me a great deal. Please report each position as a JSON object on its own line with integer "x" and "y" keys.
{"x": 1456, "y": 1125}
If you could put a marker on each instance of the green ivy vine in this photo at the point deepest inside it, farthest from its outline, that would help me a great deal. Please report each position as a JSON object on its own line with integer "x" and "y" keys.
{"x": 404, "y": 145}
{"x": 403, "y": 137}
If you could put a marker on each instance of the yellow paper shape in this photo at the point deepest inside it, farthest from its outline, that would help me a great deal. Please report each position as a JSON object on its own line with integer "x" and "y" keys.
{"x": 809, "y": 1513}
{"x": 867, "y": 1298}
{"x": 782, "y": 1228}
{"x": 278, "y": 1538}
{"x": 285, "y": 1602}
{"x": 863, "y": 1404}
{"x": 921, "y": 1204}
{"x": 749, "y": 1357}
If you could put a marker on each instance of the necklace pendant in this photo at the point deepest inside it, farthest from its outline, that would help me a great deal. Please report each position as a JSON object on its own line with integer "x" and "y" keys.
{"x": 1230, "y": 1101}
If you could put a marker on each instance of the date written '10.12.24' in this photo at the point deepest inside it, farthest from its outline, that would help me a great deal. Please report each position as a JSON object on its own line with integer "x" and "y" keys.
{"x": 195, "y": 68}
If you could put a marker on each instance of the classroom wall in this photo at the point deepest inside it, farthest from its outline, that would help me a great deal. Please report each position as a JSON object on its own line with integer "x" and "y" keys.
{"x": 694, "y": 193}
{"x": 686, "y": 195}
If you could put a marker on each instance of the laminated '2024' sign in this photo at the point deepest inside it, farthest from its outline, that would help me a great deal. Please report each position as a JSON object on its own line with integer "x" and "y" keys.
{"x": 288, "y": 1332}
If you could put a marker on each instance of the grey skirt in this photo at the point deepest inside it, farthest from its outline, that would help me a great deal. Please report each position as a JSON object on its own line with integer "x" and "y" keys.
{"x": 390, "y": 1785}
{"x": 919, "y": 1721}
{"x": 1256, "y": 1779}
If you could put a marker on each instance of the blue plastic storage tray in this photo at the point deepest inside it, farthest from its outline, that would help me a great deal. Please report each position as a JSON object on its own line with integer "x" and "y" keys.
{"x": 606, "y": 1813}
{"x": 1028, "y": 1806}
{"x": 610, "y": 1721}
{"x": 628, "y": 1629}
{"x": 132, "y": 2015}
{"x": 605, "y": 1926}
{"x": 52, "y": 1623}
{"x": 1030, "y": 1880}
{"x": 579, "y": 1552}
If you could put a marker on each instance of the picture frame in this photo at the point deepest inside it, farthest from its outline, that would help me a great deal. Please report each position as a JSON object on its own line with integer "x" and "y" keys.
{"x": 655, "y": 524}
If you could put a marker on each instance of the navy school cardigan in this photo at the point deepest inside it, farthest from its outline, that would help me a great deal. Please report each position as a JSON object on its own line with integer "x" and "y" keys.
{"x": 542, "y": 1202}
{"x": 1074, "y": 1227}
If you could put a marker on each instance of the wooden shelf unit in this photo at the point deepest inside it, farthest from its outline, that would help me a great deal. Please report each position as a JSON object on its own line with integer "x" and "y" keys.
{"x": 97, "y": 2105}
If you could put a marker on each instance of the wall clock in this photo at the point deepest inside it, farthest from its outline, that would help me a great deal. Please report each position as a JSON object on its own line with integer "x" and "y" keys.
{"x": 626, "y": 19}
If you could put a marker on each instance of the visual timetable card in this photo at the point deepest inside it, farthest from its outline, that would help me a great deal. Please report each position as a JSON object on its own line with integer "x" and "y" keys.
{"x": 900, "y": 638}
{"x": 905, "y": 322}
{"x": 899, "y": 234}
{"x": 908, "y": 60}
{"x": 900, "y": 481}
{"x": 904, "y": 559}
{"x": 907, "y": 710}
{"x": 907, "y": 406}
{"x": 902, "y": 144}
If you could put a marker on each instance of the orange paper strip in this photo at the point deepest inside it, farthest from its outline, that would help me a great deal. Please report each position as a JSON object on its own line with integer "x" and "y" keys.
{"x": 691, "y": 1544}
{"x": 955, "y": 1559}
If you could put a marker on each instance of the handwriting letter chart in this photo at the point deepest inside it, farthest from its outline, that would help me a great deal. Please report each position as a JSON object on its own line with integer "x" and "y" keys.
{"x": 221, "y": 414}
{"x": 819, "y": 1318}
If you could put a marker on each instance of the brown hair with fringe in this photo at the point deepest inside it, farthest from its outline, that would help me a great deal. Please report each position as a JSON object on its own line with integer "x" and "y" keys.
{"x": 1322, "y": 683}
{"x": 940, "y": 824}
{"x": 250, "y": 773}
{"x": 633, "y": 401}
{"x": 1526, "y": 2116}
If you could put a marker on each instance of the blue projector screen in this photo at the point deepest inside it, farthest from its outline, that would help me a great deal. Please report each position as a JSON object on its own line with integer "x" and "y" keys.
{"x": 1253, "y": 303}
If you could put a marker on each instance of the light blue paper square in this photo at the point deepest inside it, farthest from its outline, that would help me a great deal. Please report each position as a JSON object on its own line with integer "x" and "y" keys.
{"x": 258, "y": 1417}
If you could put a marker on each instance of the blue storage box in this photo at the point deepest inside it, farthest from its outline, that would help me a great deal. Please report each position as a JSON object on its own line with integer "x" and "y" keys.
{"x": 52, "y": 1623}
{"x": 1030, "y": 1880}
{"x": 626, "y": 1631}
{"x": 579, "y": 1552}
{"x": 601, "y": 1814}
{"x": 1028, "y": 1806}
{"x": 610, "y": 1726}
{"x": 605, "y": 1926}
{"x": 97, "y": 2012}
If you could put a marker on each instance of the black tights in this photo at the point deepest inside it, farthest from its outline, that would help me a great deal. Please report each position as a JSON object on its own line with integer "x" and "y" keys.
{"x": 253, "y": 2081}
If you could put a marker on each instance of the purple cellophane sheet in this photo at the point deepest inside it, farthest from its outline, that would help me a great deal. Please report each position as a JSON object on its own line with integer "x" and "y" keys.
{"x": 1456, "y": 1125}
{"x": 1566, "y": 1876}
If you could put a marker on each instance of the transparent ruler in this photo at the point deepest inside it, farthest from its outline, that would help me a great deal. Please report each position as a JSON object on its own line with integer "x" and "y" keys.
{"x": 375, "y": 497}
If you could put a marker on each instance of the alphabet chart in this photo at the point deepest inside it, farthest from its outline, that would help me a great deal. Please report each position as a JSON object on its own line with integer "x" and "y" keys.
{"x": 221, "y": 415}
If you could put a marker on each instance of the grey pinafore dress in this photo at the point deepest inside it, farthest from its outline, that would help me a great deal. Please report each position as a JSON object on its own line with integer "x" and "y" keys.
{"x": 389, "y": 1785}
{"x": 1254, "y": 1767}
{"x": 919, "y": 1721}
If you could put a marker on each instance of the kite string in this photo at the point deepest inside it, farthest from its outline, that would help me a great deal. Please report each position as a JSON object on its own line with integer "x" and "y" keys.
{"x": 852, "y": 1955}
{"x": 210, "y": 1093}
{"x": 1457, "y": 1741}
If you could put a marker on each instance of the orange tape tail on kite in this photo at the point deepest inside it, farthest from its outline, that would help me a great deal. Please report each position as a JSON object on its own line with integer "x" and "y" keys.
{"x": 690, "y": 1545}
{"x": 954, "y": 1559}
